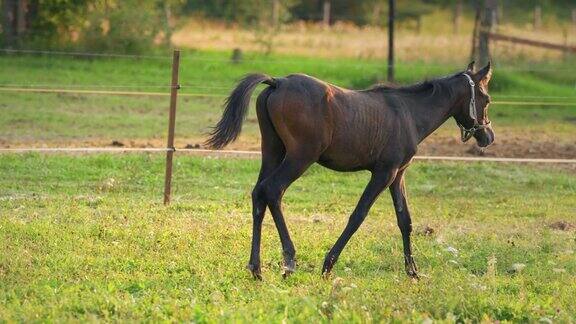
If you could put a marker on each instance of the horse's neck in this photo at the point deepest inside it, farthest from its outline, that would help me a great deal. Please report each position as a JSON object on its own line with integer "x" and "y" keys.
{"x": 430, "y": 113}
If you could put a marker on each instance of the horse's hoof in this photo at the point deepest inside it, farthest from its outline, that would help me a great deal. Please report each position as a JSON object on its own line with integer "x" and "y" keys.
{"x": 329, "y": 262}
{"x": 413, "y": 275}
{"x": 411, "y": 269}
{"x": 288, "y": 268}
{"x": 255, "y": 271}
{"x": 286, "y": 273}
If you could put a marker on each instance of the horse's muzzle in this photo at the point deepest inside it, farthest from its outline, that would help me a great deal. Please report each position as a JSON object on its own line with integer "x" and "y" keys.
{"x": 485, "y": 136}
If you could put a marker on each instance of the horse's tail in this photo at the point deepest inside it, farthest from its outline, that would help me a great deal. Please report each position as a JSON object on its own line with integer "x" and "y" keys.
{"x": 230, "y": 125}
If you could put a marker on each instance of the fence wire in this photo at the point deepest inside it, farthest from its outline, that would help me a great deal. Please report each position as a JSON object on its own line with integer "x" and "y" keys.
{"x": 87, "y": 54}
{"x": 112, "y": 93}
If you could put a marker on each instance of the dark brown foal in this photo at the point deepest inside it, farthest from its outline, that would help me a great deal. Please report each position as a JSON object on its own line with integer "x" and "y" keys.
{"x": 304, "y": 120}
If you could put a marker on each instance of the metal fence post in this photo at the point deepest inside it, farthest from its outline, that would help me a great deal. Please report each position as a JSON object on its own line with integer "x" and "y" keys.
{"x": 171, "y": 124}
{"x": 391, "y": 14}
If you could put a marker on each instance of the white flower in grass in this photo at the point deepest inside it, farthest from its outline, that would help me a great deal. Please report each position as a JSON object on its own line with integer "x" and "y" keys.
{"x": 452, "y": 250}
{"x": 517, "y": 267}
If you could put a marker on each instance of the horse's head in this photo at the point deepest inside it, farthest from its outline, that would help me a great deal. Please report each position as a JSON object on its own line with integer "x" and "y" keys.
{"x": 472, "y": 115}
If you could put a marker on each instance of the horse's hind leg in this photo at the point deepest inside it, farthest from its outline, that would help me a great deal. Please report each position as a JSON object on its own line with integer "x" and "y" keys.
{"x": 272, "y": 189}
{"x": 271, "y": 158}
{"x": 398, "y": 192}
{"x": 272, "y": 155}
{"x": 298, "y": 125}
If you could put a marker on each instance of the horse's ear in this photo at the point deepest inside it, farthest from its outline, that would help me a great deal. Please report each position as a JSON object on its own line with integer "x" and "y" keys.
{"x": 484, "y": 75}
{"x": 470, "y": 67}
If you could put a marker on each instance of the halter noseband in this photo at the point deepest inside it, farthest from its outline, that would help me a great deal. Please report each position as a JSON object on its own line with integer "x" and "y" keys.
{"x": 467, "y": 133}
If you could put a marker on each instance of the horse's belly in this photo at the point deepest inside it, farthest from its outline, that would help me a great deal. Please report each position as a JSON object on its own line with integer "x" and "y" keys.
{"x": 345, "y": 159}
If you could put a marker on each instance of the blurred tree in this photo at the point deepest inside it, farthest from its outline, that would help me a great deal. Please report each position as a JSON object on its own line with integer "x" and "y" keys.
{"x": 116, "y": 25}
{"x": 246, "y": 12}
{"x": 46, "y": 21}
{"x": 131, "y": 25}
{"x": 170, "y": 8}
{"x": 8, "y": 29}
{"x": 230, "y": 10}
{"x": 361, "y": 12}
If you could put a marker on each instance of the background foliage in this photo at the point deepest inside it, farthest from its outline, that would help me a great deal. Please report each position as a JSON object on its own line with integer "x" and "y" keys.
{"x": 136, "y": 26}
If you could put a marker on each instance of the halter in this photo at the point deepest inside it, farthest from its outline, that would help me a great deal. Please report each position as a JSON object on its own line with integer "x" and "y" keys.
{"x": 467, "y": 133}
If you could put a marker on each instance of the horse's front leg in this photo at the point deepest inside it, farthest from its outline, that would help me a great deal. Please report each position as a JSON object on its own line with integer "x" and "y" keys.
{"x": 379, "y": 181}
{"x": 398, "y": 192}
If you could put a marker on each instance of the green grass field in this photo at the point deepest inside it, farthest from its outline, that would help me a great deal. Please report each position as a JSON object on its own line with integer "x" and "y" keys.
{"x": 86, "y": 238}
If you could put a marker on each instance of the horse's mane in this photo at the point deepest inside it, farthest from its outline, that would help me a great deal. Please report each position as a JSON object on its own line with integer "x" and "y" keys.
{"x": 427, "y": 87}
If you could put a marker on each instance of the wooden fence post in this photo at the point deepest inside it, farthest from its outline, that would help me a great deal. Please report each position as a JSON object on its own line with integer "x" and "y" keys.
{"x": 326, "y": 13}
{"x": 457, "y": 17}
{"x": 376, "y": 14}
{"x": 475, "y": 31}
{"x": 537, "y": 17}
{"x": 566, "y": 44}
{"x": 171, "y": 124}
{"x": 21, "y": 9}
{"x": 8, "y": 18}
{"x": 574, "y": 19}
{"x": 486, "y": 26}
{"x": 167, "y": 18}
{"x": 275, "y": 13}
